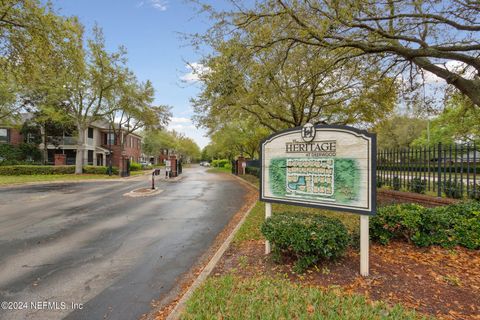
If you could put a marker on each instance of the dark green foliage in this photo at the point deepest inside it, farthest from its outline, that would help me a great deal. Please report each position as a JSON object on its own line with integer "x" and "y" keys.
{"x": 307, "y": 237}
{"x": 32, "y": 132}
{"x": 448, "y": 226}
{"x": 45, "y": 170}
{"x": 221, "y": 163}
{"x": 99, "y": 170}
{"x": 30, "y": 152}
{"x": 474, "y": 192}
{"x": 396, "y": 183}
{"x": 23, "y": 153}
{"x": 380, "y": 182}
{"x": 32, "y": 170}
{"x": 417, "y": 185}
{"x": 254, "y": 171}
{"x": 10, "y": 153}
{"x": 396, "y": 221}
{"x": 134, "y": 166}
{"x": 453, "y": 188}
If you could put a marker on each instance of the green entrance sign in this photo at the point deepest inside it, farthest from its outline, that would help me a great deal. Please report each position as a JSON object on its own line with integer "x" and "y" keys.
{"x": 330, "y": 167}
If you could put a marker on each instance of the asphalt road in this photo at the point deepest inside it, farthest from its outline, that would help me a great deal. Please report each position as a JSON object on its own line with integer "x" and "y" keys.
{"x": 87, "y": 244}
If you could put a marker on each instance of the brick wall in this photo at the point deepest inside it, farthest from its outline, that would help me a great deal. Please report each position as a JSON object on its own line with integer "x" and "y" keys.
{"x": 132, "y": 150}
{"x": 15, "y": 137}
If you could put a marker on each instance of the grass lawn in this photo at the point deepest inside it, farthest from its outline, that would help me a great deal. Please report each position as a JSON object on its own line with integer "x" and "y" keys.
{"x": 230, "y": 297}
{"x": 246, "y": 284}
{"x": 140, "y": 172}
{"x": 5, "y": 180}
{"x": 219, "y": 170}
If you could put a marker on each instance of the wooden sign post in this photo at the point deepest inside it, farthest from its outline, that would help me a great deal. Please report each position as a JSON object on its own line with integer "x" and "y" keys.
{"x": 330, "y": 167}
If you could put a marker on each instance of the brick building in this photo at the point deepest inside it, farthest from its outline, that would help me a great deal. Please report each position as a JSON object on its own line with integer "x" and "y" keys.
{"x": 100, "y": 145}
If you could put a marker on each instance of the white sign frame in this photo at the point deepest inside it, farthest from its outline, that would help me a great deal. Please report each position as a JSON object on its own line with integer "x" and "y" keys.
{"x": 310, "y": 137}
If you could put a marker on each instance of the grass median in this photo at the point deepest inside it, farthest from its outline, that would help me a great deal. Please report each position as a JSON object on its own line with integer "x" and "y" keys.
{"x": 231, "y": 297}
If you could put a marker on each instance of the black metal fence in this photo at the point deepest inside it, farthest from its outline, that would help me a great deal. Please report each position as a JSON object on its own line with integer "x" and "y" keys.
{"x": 444, "y": 170}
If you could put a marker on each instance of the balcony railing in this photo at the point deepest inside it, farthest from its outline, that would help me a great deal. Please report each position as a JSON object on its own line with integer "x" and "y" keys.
{"x": 66, "y": 141}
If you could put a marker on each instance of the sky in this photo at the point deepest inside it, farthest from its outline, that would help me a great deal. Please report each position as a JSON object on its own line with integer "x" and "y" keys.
{"x": 150, "y": 30}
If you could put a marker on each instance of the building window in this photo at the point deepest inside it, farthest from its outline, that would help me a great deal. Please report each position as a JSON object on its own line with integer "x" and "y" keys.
{"x": 110, "y": 138}
{"x": 90, "y": 133}
{"x": 90, "y": 157}
{"x": 4, "y": 135}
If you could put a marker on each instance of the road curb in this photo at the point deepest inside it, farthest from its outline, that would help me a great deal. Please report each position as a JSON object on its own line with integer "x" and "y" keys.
{"x": 177, "y": 311}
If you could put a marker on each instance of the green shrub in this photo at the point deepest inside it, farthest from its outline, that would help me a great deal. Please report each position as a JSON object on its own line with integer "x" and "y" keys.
{"x": 448, "y": 226}
{"x": 396, "y": 221}
{"x": 9, "y": 152}
{"x": 417, "y": 185}
{"x": 32, "y": 170}
{"x": 220, "y": 163}
{"x": 99, "y": 170}
{"x": 45, "y": 170}
{"x": 453, "y": 188}
{"x": 474, "y": 192}
{"x": 380, "y": 182}
{"x": 23, "y": 153}
{"x": 396, "y": 183}
{"x": 134, "y": 166}
{"x": 307, "y": 237}
{"x": 254, "y": 171}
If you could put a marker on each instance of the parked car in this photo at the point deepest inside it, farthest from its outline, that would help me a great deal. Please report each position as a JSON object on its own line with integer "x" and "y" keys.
{"x": 145, "y": 164}
{"x": 205, "y": 164}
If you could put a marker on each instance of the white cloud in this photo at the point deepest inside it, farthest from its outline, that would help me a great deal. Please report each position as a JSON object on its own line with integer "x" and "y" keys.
{"x": 453, "y": 66}
{"x": 161, "y": 5}
{"x": 195, "y": 69}
{"x": 181, "y": 124}
{"x": 186, "y": 127}
{"x": 180, "y": 120}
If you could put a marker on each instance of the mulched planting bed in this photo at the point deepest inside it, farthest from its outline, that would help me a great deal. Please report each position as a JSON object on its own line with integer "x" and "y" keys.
{"x": 444, "y": 283}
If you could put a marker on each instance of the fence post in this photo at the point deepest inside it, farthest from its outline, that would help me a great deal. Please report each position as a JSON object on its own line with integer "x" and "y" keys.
{"x": 439, "y": 164}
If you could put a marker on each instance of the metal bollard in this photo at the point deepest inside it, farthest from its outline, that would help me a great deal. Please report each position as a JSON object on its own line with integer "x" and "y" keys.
{"x": 153, "y": 180}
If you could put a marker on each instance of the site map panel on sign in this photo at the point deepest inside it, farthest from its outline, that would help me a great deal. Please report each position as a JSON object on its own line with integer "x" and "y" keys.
{"x": 313, "y": 177}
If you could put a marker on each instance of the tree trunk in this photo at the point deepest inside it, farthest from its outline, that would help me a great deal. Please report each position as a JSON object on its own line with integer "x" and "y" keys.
{"x": 80, "y": 149}
{"x": 45, "y": 144}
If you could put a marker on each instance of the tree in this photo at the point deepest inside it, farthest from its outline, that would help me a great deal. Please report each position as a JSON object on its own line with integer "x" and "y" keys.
{"x": 30, "y": 36}
{"x": 131, "y": 108}
{"x": 280, "y": 91}
{"x": 155, "y": 141}
{"x": 82, "y": 83}
{"x": 426, "y": 35}
{"x": 398, "y": 131}
{"x": 458, "y": 123}
{"x": 238, "y": 137}
{"x": 187, "y": 149}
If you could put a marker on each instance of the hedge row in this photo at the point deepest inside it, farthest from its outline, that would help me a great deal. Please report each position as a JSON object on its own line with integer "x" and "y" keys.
{"x": 135, "y": 166}
{"x": 46, "y": 170}
{"x": 448, "y": 226}
{"x": 221, "y": 163}
{"x": 254, "y": 171}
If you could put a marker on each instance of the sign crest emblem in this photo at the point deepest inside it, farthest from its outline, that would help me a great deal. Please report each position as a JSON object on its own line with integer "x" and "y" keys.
{"x": 308, "y": 132}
